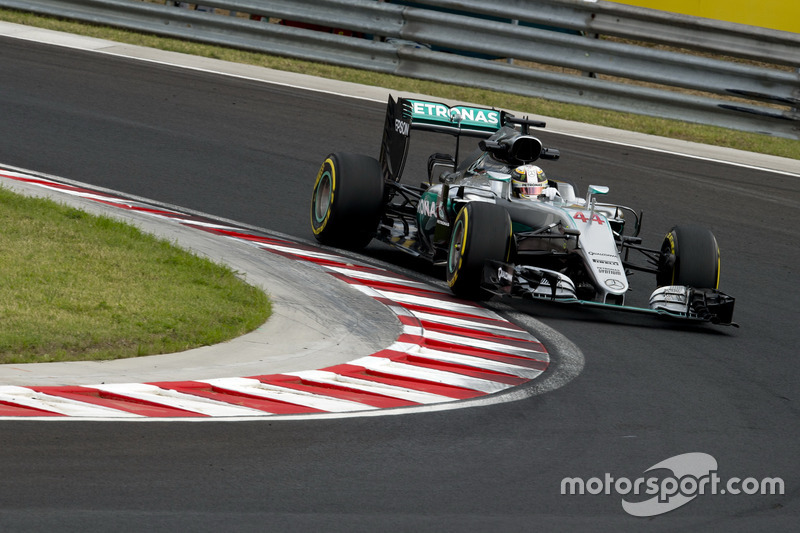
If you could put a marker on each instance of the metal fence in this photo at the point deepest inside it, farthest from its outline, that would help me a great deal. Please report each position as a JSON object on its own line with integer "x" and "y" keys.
{"x": 599, "y": 54}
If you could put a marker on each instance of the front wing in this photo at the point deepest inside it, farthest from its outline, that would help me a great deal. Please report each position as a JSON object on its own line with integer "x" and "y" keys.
{"x": 674, "y": 302}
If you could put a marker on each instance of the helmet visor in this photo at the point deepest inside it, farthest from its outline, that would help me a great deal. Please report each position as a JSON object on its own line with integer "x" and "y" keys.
{"x": 529, "y": 189}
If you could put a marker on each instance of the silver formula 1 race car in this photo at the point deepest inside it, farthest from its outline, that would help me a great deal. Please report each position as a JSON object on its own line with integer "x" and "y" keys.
{"x": 500, "y": 227}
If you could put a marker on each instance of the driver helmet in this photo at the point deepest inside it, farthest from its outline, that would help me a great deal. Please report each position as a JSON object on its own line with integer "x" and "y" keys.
{"x": 528, "y": 181}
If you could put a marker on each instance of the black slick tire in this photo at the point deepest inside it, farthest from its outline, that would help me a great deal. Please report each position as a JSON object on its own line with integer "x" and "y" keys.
{"x": 481, "y": 232}
{"x": 690, "y": 257}
{"x": 347, "y": 200}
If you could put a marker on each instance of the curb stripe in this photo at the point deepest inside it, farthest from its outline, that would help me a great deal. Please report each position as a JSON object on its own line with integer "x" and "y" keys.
{"x": 432, "y": 338}
{"x": 54, "y": 404}
{"x": 404, "y": 393}
{"x": 498, "y": 366}
{"x": 451, "y": 392}
{"x": 176, "y": 400}
{"x": 259, "y": 388}
{"x": 335, "y": 390}
{"x": 444, "y": 304}
{"x": 461, "y": 330}
{"x": 213, "y": 392}
{"x": 402, "y": 365}
{"x": 492, "y": 320}
{"x": 479, "y": 354}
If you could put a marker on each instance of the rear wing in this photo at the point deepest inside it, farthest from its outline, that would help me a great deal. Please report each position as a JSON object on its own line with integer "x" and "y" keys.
{"x": 405, "y": 115}
{"x": 456, "y": 120}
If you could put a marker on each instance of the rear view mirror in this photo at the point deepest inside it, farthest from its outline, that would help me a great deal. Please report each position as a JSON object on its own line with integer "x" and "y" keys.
{"x": 438, "y": 166}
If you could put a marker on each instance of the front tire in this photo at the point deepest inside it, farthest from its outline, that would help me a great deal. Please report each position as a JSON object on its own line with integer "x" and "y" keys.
{"x": 481, "y": 232}
{"x": 347, "y": 201}
{"x": 690, "y": 257}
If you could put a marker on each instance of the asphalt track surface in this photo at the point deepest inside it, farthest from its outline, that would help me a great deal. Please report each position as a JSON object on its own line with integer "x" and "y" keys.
{"x": 248, "y": 151}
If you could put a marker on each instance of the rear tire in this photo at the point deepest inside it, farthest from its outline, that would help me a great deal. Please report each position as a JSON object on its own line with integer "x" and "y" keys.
{"x": 481, "y": 232}
{"x": 347, "y": 201}
{"x": 696, "y": 258}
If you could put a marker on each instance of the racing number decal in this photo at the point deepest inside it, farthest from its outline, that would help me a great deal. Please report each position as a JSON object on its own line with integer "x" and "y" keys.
{"x": 324, "y": 188}
{"x": 580, "y": 216}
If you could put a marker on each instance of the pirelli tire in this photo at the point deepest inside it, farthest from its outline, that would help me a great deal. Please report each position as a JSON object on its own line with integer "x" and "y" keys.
{"x": 347, "y": 200}
{"x": 480, "y": 232}
{"x": 690, "y": 257}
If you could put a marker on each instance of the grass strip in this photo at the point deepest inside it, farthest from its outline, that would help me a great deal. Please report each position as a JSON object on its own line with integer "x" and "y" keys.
{"x": 75, "y": 286}
{"x": 712, "y": 135}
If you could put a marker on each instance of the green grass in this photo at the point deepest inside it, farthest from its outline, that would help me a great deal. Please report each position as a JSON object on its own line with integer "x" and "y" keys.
{"x": 627, "y": 121}
{"x": 75, "y": 286}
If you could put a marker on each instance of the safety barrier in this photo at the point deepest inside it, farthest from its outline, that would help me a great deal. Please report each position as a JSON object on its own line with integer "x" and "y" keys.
{"x": 599, "y": 54}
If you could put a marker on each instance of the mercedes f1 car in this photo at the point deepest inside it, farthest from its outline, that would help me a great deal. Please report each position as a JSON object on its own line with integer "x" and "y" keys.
{"x": 500, "y": 227}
